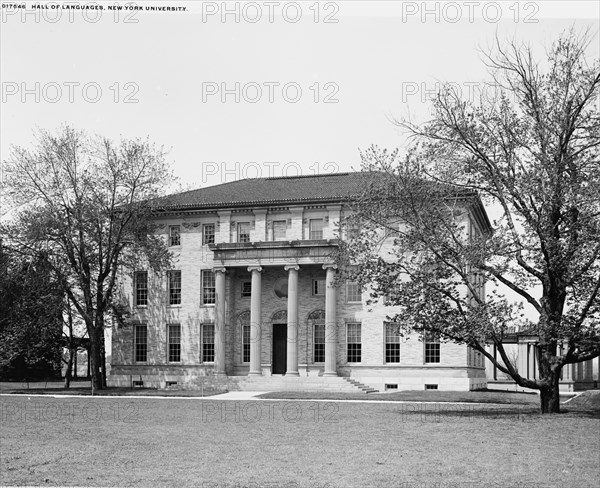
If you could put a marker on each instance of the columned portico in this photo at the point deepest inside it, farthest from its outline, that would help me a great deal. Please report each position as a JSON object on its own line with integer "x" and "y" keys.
{"x": 330, "y": 321}
{"x": 219, "y": 321}
{"x": 292, "y": 318}
{"x": 255, "y": 321}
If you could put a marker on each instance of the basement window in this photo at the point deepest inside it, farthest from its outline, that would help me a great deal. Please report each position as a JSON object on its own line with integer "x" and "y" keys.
{"x": 171, "y": 383}
{"x": 391, "y": 386}
{"x": 138, "y": 383}
{"x": 431, "y": 387}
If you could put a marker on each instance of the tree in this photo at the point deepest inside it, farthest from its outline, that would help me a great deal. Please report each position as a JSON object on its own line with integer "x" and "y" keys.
{"x": 84, "y": 201}
{"x": 30, "y": 318}
{"x": 532, "y": 154}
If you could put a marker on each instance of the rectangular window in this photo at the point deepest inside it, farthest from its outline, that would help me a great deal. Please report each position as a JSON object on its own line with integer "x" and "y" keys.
{"x": 246, "y": 289}
{"x": 140, "y": 283}
{"x": 174, "y": 236}
{"x": 243, "y": 231}
{"x": 353, "y": 336}
{"x": 246, "y": 343}
{"x": 208, "y": 233}
{"x": 174, "y": 339}
{"x": 353, "y": 293}
{"x": 141, "y": 343}
{"x": 318, "y": 287}
{"x": 208, "y": 287}
{"x": 279, "y": 227}
{"x": 208, "y": 343}
{"x": 319, "y": 344}
{"x": 432, "y": 348}
{"x": 174, "y": 278}
{"x": 392, "y": 343}
{"x": 315, "y": 229}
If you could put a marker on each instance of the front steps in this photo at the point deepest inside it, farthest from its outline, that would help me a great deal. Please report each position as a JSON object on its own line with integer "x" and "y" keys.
{"x": 296, "y": 383}
{"x": 365, "y": 388}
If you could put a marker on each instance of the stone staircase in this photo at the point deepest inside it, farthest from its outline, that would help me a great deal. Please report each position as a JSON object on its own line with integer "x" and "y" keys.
{"x": 297, "y": 383}
{"x": 365, "y": 388}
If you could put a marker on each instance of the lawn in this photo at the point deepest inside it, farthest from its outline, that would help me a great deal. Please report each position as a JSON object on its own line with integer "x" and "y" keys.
{"x": 107, "y": 441}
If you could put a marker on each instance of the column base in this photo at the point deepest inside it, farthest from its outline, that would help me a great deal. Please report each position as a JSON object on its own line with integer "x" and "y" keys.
{"x": 255, "y": 373}
{"x": 293, "y": 373}
{"x": 330, "y": 374}
{"x": 220, "y": 373}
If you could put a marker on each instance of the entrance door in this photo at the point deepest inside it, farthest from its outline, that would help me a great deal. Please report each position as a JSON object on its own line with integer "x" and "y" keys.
{"x": 279, "y": 349}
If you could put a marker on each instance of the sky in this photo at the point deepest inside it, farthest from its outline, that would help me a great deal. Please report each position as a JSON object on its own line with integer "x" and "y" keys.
{"x": 237, "y": 90}
{"x": 253, "y": 89}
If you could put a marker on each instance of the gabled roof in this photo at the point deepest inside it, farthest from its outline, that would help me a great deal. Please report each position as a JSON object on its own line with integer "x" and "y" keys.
{"x": 285, "y": 190}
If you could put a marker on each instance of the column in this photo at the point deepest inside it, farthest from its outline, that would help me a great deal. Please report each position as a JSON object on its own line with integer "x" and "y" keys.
{"x": 219, "y": 321}
{"x": 255, "y": 321}
{"x": 330, "y": 321}
{"x": 292, "y": 321}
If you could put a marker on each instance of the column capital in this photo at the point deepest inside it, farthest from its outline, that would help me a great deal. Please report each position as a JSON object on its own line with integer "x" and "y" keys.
{"x": 255, "y": 268}
{"x": 295, "y": 267}
{"x": 330, "y": 266}
{"x": 220, "y": 269}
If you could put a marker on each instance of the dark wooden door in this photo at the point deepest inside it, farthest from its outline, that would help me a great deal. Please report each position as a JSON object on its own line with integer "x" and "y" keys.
{"x": 279, "y": 348}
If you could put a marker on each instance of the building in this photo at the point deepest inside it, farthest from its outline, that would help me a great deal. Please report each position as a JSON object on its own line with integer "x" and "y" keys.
{"x": 253, "y": 294}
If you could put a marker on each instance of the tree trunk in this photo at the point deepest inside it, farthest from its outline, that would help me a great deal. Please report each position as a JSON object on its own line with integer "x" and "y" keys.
{"x": 103, "y": 358}
{"x": 69, "y": 370}
{"x": 549, "y": 394}
{"x": 95, "y": 361}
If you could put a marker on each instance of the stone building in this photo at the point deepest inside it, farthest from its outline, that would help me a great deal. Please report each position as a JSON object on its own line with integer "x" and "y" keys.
{"x": 253, "y": 295}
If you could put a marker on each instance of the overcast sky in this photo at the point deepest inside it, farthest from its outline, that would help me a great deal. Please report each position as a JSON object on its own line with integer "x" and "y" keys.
{"x": 162, "y": 74}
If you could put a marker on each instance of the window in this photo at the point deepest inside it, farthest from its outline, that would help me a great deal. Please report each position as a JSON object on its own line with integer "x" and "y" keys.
{"x": 315, "y": 229}
{"x": 353, "y": 293}
{"x": 392, "y": 343}
{"x": 246, "y": 343}
{"x": 208, "y": 233}
{"x": 208, "y": 343}
{"x": 432, "y": 348}
{"x": 208, "y": 287}
{"x": 243, "y": 231}
{"x": 431, "y": 387}
{"x": 174, "y": 236}
{"x": 174, "y": 278}
{"x": 319, "y": 344}
{"x": 140, "y": 284}
{"x": 141, "y": 343}
{"x": 318, "y": 287}
{"x": 246, "y": 289}
{"x": 279, "y": 227}
{"x": 174, "y": 332}
{"x": 353, "y": 343}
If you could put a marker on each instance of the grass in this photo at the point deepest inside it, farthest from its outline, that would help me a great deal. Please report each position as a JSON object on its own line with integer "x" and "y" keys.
{"x": 415, "y": 396}
{"x": 84, "y": 388}
{"x": 106, "y": 441}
